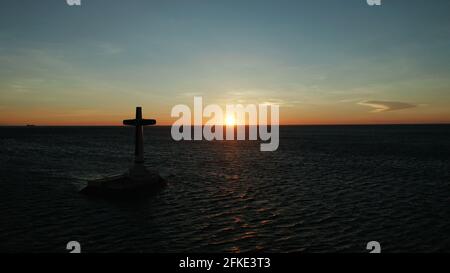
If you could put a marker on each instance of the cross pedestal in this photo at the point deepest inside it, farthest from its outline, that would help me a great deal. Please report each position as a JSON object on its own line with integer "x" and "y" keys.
{"x": 138, "y": 177}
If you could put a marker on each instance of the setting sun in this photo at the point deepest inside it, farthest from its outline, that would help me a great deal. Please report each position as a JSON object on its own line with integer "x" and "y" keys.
{"x": 229, "y": 121}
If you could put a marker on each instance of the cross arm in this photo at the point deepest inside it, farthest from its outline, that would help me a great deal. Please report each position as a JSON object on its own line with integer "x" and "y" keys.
{"x": 142, "y": 122}
{"x": 148, "y": 122}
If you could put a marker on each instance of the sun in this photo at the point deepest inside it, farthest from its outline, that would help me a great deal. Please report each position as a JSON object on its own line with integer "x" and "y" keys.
{"x": 229, "y": 121}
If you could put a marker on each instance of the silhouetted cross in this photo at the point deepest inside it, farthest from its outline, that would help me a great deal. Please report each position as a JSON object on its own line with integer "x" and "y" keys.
{"x": 138, "y": 122}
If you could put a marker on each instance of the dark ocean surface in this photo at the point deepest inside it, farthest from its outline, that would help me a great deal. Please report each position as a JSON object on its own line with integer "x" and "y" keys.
{"x": 326, "y": 189}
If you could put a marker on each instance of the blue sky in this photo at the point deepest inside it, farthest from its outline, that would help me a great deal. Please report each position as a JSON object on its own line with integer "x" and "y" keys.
{"x": 323, "y": 61}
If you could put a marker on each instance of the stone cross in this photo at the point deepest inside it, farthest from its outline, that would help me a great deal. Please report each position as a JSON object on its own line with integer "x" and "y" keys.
{"x": 139, "y": 122}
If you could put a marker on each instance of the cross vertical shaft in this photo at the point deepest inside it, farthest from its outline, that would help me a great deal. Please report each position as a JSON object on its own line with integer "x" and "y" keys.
{"x": 139, "y": 140}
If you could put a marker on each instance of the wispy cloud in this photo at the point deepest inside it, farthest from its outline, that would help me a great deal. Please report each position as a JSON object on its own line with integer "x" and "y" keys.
{"x": 109, "y": 49}
{"x": 383, "y": 106}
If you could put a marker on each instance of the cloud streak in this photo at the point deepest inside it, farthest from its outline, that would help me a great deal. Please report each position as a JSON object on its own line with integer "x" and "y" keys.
{"x": 384, "y": 106}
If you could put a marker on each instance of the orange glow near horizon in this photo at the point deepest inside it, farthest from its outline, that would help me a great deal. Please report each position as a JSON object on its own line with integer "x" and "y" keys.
{"x": 288, "y": 116}
{"x": 228, "y": 122}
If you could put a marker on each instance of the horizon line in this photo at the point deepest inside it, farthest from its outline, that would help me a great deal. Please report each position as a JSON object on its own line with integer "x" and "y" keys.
{"x": 164, "y": 125}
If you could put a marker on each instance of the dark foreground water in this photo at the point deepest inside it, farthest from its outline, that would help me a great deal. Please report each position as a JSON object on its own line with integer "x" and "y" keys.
{"x": 326, "y": 189}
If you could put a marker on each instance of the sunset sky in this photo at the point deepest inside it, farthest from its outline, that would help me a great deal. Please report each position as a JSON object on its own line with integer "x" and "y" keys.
{"x": 322, "y": 61}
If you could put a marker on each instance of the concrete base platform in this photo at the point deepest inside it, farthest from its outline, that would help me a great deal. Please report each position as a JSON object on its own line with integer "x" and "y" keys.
{"x": 136, "y": 180}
